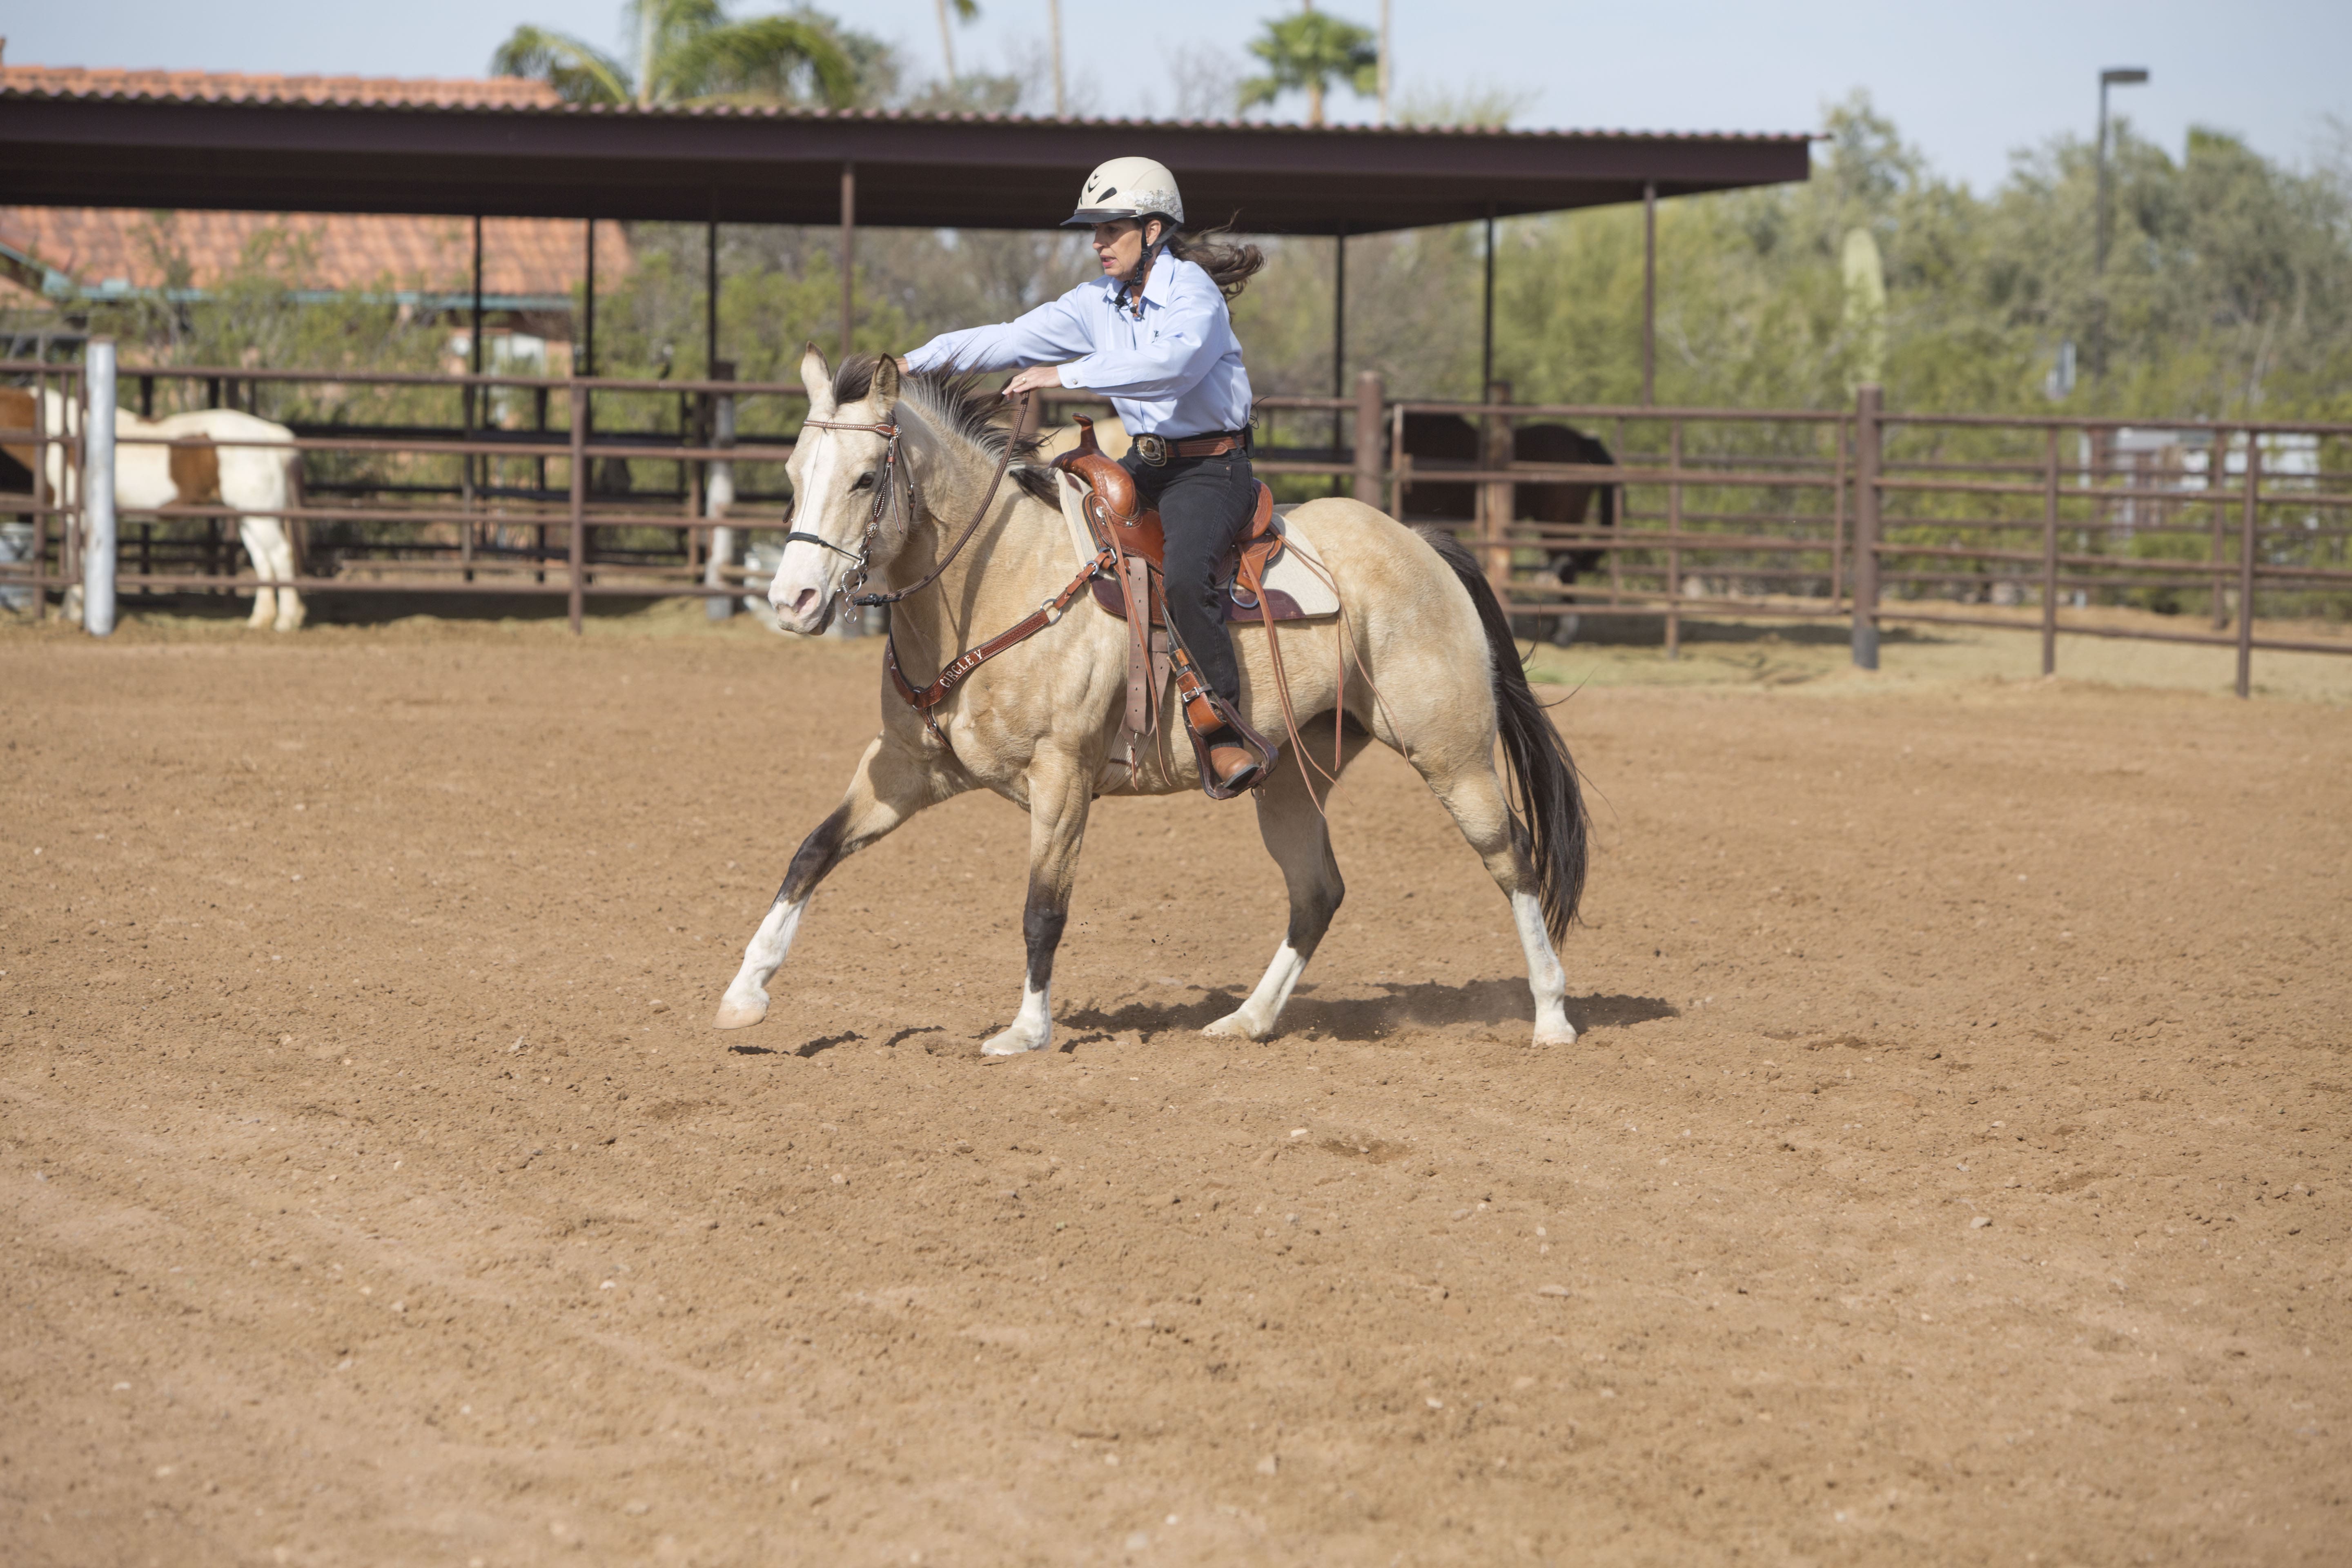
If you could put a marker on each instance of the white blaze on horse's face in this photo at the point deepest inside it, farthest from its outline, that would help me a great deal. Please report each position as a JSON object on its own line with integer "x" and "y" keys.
{"x": 834, "y": 478}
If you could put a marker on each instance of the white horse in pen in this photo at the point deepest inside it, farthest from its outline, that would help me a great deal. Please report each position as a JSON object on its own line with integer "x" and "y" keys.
{"x": 215, "y": 457}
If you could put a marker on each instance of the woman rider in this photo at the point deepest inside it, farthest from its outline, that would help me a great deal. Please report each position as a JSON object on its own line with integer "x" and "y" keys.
{"x": 1153, "y": 335}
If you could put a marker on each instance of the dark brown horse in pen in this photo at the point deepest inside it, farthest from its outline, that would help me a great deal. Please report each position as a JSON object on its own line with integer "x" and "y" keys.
{"x": 1439, "y": 441}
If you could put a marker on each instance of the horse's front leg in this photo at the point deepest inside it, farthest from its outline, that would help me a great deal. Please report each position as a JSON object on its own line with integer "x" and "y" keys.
{"x": 888, "y": 787}
{"x": 1060, "y": 791}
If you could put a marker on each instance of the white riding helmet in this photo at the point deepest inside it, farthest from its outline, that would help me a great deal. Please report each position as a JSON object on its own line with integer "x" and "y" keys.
{"x": 1127, "y": 187}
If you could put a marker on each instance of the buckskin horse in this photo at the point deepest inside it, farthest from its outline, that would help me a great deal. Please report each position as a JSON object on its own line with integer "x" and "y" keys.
{"x": 889, "y": 466}
{"x": 214, "y": 457}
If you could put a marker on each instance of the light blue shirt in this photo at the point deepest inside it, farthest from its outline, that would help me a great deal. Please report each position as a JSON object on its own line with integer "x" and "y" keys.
{"x": 1176, "y": 372}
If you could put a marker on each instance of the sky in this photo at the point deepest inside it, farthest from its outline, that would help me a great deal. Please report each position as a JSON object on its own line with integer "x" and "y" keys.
{"x": 1969, "y": 84}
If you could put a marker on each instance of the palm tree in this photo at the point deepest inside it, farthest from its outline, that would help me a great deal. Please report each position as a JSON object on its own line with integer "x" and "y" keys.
{"x": 1308, "y": 52}
{"x": 965, "y": 11}
{"x": 688, "y": 51}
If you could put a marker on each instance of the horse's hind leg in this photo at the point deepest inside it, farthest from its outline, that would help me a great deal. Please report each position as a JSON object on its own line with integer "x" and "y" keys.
{"x": 253, "y": 532}
{"x": 1300, "y": 842}
{"x": 1473, "y": 794}
{"x": 277, "y": 547}
{"x": 887, "y": 788}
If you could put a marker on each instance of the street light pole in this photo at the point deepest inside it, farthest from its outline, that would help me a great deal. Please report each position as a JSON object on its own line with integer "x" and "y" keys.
{"x": 2115, "y": 76}
{"x": 2121, "y": 76}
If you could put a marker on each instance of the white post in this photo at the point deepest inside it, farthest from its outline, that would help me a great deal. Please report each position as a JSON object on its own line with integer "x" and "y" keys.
{"x": 98, "y": 492}
{"x": 718, "y": 495}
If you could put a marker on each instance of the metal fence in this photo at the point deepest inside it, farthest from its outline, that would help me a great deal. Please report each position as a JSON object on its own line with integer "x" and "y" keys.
{"x": 2231, "y": 533}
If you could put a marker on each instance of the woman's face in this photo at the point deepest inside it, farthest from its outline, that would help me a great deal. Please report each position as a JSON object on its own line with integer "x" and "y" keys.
{"x": 1119, "y": 245}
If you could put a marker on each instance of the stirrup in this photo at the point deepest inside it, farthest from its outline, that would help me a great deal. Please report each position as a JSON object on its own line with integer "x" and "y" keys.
{"x": 1251, "y": 772}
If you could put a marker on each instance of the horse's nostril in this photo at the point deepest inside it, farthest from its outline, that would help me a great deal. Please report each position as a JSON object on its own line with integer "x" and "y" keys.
{"x": 804, "y": 601}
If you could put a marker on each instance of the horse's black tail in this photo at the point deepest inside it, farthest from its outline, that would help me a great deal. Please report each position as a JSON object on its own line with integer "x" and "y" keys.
{"x": 1551, "y": 825}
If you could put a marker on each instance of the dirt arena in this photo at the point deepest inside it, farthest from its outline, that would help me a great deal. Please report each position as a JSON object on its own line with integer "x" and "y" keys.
{"x": 1955, "y": 1169}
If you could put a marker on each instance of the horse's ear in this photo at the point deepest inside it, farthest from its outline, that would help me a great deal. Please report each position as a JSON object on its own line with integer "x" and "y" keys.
{"x": 885, "y": 381}
{"x": 816, "y": 379}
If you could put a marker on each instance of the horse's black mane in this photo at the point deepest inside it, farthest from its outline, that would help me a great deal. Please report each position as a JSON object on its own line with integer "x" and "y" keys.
{"x": 970, "y": 407}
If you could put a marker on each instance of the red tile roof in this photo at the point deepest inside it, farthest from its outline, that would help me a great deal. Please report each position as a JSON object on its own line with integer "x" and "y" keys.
{"x": 520, "y": 255}
{"x": 506, "y": 91}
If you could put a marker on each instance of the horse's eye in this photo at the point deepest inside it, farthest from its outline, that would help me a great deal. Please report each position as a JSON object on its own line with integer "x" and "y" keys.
{"x": 865, "y": 482}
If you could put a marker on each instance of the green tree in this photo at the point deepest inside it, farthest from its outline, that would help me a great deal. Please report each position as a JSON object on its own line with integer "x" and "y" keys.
{"x": 1307, "y": 53}
{"x": 690, "y": 51}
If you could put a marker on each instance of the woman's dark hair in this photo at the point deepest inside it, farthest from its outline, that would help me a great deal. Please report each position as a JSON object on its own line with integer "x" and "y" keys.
{"x": 1229, "y": 267}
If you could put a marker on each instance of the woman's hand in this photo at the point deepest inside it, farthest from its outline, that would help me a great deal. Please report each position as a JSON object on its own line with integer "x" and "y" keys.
{"x": 1035, "y": 377}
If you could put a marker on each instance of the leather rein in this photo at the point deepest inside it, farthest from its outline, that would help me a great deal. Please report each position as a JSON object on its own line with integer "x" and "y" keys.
{"x": 885, "y": 495}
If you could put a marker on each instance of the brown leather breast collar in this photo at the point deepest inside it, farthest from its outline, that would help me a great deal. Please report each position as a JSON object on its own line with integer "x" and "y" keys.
{"x": 953, "y": 675}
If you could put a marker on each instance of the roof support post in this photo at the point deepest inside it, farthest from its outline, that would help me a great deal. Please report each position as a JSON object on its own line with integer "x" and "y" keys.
{"x": 849, "y": 252}
{"x": 584, "y": 362}
{"x": 1649, "y": 292}
{"x": 475, "y": 341}
{"x": 1339, "y": 338}
{"x": 710, "y": 294}
{"x": 1487, "y": 349}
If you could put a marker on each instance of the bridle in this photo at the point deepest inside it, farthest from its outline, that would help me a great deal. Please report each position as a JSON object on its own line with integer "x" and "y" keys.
{"x": 886, "y": 493}
{"x": 953, "y": 673}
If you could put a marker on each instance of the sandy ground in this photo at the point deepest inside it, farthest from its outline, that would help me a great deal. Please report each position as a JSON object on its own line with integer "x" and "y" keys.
{"x": 1953, "y": 1170}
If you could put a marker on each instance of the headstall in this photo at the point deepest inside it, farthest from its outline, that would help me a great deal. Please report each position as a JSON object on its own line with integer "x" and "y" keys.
{"x": 886, "y": 493}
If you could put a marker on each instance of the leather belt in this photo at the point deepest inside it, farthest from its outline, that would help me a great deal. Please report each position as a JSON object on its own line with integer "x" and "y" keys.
{"x": 1156, "y": 449}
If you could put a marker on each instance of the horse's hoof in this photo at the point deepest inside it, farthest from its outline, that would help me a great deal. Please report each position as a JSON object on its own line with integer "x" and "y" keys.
{"x": 1559, "y": 1034}
{"x": 1239, "y": 1026}
{"x": 1013, "y": 1043}
{"x": 734, "y": 1014}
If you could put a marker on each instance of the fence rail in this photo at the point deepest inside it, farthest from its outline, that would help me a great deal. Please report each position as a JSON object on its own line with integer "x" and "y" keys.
{"x": 488, "y": 484}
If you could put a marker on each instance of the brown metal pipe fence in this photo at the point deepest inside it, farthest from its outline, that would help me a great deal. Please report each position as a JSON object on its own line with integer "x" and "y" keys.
{"x": 1874, "y": 516}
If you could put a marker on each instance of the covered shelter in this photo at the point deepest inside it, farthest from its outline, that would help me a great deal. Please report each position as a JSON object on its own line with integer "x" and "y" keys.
{"x": 119, "y": 140}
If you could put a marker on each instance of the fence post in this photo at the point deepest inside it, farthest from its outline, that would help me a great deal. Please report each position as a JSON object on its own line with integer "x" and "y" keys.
{"x": 1497, "y": 499}
{"x": 718, "y": 497}
{"x": 2217, "y": 472}
{"x": 2246, "y": 565}
{"x": 98, "y": 492}
{"x": 2050, "y": 553}
{"x": 1370, "y": 395}
{"x": 1674, "y": 541}
{"x": 579, "y": 501}
{"x": 1866, "y": 437}
{"x": 1400, "y": 461}
{"x": 1837, "y": 517}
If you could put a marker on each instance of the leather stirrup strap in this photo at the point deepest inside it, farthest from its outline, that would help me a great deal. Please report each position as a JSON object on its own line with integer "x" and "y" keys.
{"x": 1135, "y": 582}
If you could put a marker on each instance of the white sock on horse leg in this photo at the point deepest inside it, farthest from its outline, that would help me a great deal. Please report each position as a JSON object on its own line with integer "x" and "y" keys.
{"x": 1033, "y": 1027}
{"x": 746, "y": 1001}
{"x": 1256, "y": 1016}
{"x": 1546, "y": 978}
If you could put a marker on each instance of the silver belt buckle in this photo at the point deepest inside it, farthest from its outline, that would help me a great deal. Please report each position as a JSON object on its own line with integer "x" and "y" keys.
{"x": 1152, "y": 449}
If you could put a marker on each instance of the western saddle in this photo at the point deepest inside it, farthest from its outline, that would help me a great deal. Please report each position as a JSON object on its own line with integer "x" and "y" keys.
{"x": 1137, "y": 591}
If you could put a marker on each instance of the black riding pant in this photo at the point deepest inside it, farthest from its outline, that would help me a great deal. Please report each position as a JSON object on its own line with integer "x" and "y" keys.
{"x": 1204, "y": 504}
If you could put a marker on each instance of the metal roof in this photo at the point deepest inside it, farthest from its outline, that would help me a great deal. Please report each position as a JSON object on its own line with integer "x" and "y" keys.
{"x": 777, "y": 164}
